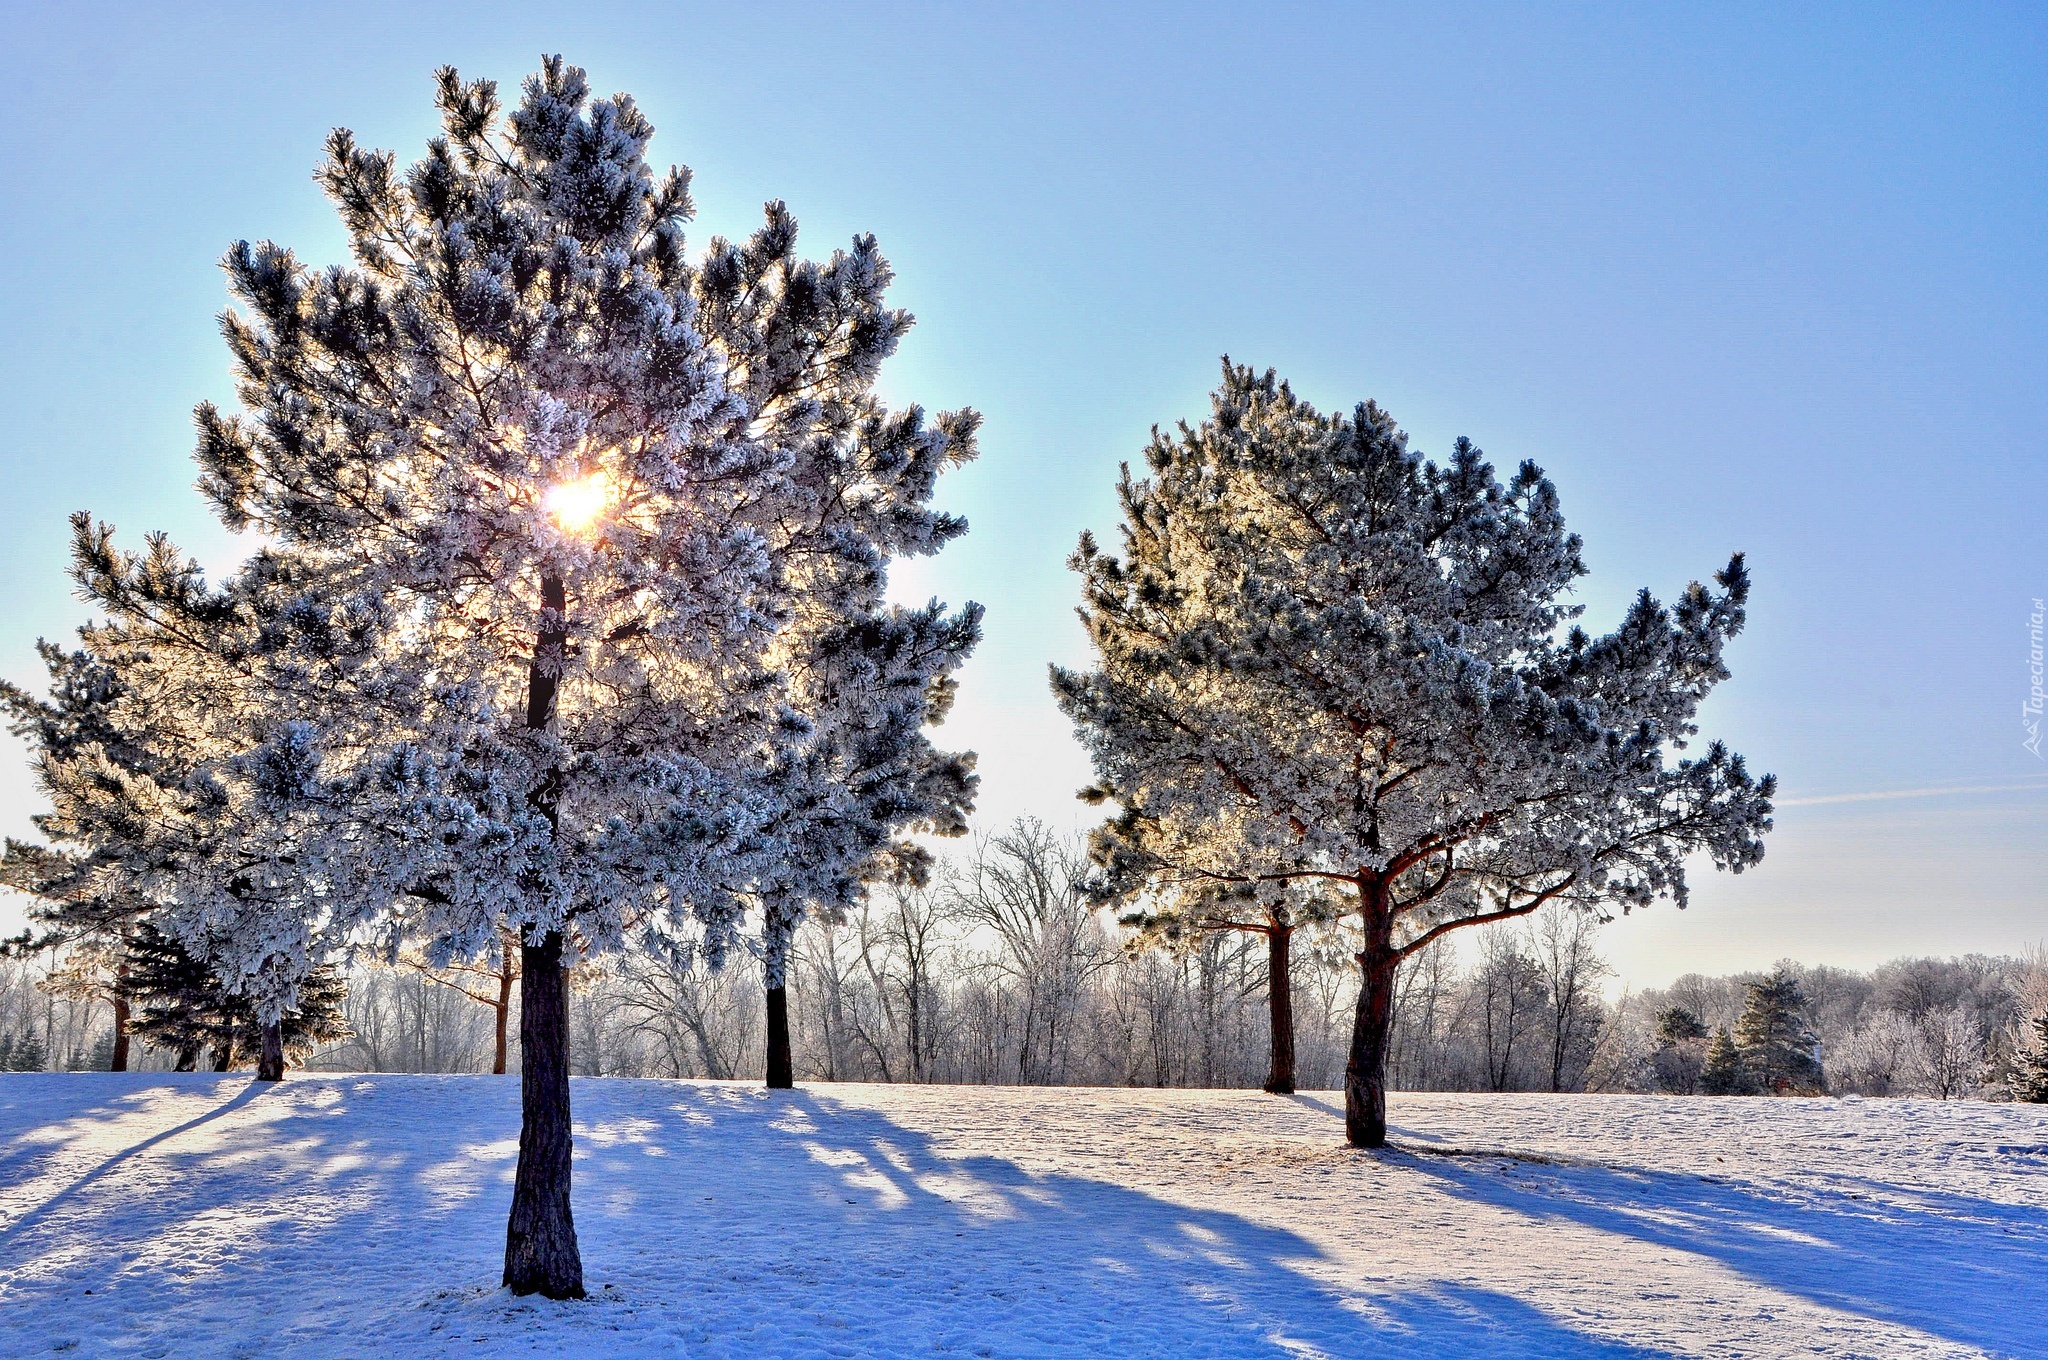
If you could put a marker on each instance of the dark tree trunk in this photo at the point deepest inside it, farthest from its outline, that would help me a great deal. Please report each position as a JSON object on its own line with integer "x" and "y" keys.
{"x": 781, "y": 1068}
{"x": 1280, "y": 999}
{"x": 224, "y": 1056}
{"x": 1365, "y": 1074}
{"x": 270, "y": 1064}
{"x": 505, "y": 977}
{"x": 541, "y": 1256}
{"x": 188, "y": 1059}
{"x": 120, "y": 1062}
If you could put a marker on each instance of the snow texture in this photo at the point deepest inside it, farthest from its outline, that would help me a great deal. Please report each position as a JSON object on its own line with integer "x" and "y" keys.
{"x": 345, "y": 1215}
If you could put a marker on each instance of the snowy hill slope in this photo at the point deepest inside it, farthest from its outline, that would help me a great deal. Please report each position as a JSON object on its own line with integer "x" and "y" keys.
{"x": 199, "y": 1216}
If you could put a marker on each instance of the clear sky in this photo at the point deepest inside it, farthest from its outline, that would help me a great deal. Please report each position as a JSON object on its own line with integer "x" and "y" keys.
{"x": 1736, "y": 277}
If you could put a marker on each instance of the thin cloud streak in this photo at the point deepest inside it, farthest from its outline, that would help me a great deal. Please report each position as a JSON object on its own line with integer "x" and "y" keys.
{"x": 1889, "y": 795}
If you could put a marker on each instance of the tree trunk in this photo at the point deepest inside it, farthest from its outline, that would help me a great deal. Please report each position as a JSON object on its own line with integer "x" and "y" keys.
{"x": 270, "y": 1065}
{"x": 781, "y": 1067}
{"x": 505, "y": 977}
{"x": 224, "y": 1056}
{"x": 1365, "y": 1074}
{"x": 188, "y": 1059}
{"x": 541, "y": 1255}
{"x": 120, "y": 1062}
{"x": 1280, "y": 999}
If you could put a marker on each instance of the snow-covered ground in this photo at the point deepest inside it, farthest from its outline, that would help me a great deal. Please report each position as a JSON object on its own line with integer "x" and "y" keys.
{"x": 363, "y": 1216}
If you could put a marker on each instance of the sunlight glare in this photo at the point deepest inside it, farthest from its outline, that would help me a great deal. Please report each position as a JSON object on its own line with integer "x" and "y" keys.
{"x": 578, "y": 505}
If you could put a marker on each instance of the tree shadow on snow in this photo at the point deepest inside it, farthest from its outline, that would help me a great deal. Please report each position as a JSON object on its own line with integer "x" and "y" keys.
{"x": 809, "y": 1226}
{"x": 279, "y": 1235}
{"x": 717, "y": 1221}
{"x": 1953, "y": 1265}
{"x": 55, "y": 1203}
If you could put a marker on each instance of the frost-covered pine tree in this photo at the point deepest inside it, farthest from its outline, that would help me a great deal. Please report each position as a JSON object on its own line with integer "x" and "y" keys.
{"x": 1724, "y": 1073}
{"x": 72, "y": 908}
{"x": 142, "y": 722}
{"x": 2029, "y": 1080}
{"x": 1776, "y": 1041}
{"x": 575, "y": 585}
{"x": 867, "y": 684}
{"x": 182, "y": 1004}
{"x": 1321, "y": 657}
{"x": 1680, "y": 1055}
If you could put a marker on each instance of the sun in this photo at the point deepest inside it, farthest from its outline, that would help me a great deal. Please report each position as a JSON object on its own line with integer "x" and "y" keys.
{"x": 579, "y": 504}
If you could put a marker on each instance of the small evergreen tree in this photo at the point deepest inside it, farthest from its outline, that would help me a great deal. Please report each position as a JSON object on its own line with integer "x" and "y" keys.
{"x": 2030, "y": 1065}
{"x": 176, "y": 1001}
{"x": 1680, "y": 1056}
{"x": 78, "y": 726}
{"x": 23, "y": 1052}
{"x": 1724, "y": 1073}
{"x": 181, "y": 1004}
{"x": 1776, "y": 1041}
{"x": 101, "y": 1056}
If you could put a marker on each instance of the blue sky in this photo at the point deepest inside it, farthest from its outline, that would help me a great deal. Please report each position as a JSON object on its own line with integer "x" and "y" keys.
{"x": 1736, "y": 278}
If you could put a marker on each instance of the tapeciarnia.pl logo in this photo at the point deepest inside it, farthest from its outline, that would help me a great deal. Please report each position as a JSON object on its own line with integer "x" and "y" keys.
{"x": 2030, "y": 712}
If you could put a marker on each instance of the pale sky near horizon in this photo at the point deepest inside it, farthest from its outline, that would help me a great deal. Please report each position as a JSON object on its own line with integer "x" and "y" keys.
{"x": 1738, "y": 279}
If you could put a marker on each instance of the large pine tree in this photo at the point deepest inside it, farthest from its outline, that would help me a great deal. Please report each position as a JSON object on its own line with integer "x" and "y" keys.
{"x": 1321, "y": 657}
{"x": 573, "y": 621}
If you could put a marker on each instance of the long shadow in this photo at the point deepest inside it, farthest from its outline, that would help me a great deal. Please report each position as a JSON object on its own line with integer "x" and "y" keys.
{"x": 716, "y": 1221}
{"x": 42, "y": 1211}
{"x": 1967, "y": 1269}
{"x": 812, "y": 1206}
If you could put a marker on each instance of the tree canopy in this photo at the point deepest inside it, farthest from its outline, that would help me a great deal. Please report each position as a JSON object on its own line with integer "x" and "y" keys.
{"x": 1322, "y": 659}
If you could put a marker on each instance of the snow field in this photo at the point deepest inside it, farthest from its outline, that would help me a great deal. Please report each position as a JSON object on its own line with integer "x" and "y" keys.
{"x": 363, "y": 1216}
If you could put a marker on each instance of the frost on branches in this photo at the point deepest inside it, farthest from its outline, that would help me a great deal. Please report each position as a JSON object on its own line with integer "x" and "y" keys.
{"x": 120, "y": 747}
{"x": 572, "y": 623}
{"x": 1324, "y": 660}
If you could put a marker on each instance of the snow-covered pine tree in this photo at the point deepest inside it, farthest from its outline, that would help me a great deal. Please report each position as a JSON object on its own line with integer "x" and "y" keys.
{"x": 161, "y": 698}
{"x": 78, "y": 911}
{"x": 577, "y": 564}
{"x": 182, "y": 1004}
{"x": 868, "y": 685}
{"x": 1724, "y": 1073}
{"x": 1680, "y": 1055}
{"x": 1320, "y": 656}
{"x": 1776, "y": 1041}
{"x": 2030, "y": 1063}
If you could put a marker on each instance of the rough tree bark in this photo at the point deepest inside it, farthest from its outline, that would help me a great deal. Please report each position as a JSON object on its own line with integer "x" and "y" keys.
{"x": 270, "y": 1063}
{"x": 541, "y": 1256}
{"x": 1365, "y": 1073}
{"x": 120, "y": 1062}
{"x": 781, "y": 1066}
{"x": 1280, "y": 1000}
{"x": 506, "y": 974}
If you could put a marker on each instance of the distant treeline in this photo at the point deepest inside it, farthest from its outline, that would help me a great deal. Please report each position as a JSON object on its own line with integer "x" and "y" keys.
{"x": 999, "y": 972}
